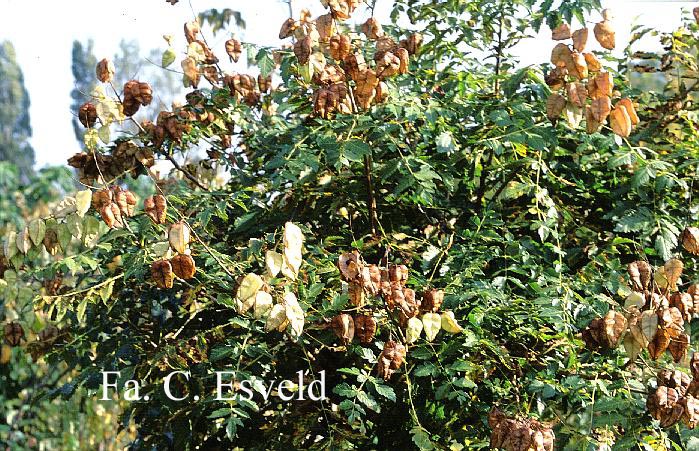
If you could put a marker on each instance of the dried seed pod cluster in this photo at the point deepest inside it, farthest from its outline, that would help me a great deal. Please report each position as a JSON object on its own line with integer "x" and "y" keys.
{"x": 13, "y": 333}
{"x": 125, "y": 157}
{"x": 156, "y": 208}
{"x": 136, "y": 94}
{"x": 605, "y": 332}
{"x": 87, "y": 114}
{"x": 515, "y": 434}
{"x": 581, "y": 88}
{"x": 391, "y": 359}
{"x": 114, "y": 204}
{"x": 182, "y": 265}
{"x": 655, "y": 314}
{"x": 318, "y": 39}
{"x": 674, "y": 398}
{"x": 690, "y": 240}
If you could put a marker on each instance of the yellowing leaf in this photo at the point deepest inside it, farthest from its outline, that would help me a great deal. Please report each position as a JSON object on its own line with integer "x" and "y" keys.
{"x": 168, "y": 57}
{"x": 414, "y": 329}
{"x": 37, "y": 231}
{"x": 263, "y": 304}
{"x": 273, "y": 262}
{"x": 432, "y": 322}
{"x": 449, "y": 323}
{"x": 83, "y": 200}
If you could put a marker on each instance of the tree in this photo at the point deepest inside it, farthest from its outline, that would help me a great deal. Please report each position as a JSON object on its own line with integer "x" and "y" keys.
{"x": 83, "y": 63}
{"x": 15, "y": 128}
{"x": 457, "y": 246}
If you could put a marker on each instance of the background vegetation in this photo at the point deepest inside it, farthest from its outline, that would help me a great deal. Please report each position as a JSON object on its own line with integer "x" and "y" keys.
{"x": 526, "y": 225}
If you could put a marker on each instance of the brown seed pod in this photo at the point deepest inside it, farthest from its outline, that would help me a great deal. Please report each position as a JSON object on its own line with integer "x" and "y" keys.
{"x": 343, "y": 326}
{"x": 678, "y": 347}
{"x": 580, "y": 39}
{"x": 391, "y": 359}
{"x": 288, "y": 28}
{"x": 684, "y": 303}
{"x": 330, "y": 74}
{"x": 561, "y": 56}
{"x": 340, "y": 47}
{"x": 51, "y": 285}
{"x": 690, "y": 411}
{"x": 342, "y": 9}
{"x": 604, "y": 33}
{"x": 183, "y": 266}
{"x": 49, "y": 334}
{"x": 162, "y": 274}
{"x": 663, "y": 405}
{"x": 111, "y": 215}
{"x": 519, "y": 434}
{"x": 593, "y": 64}
{"x": 398, "y": 273}
{"x": 105, "y": 71}
{"x": 690, "y": 240}
{"x": 325, "y": 25}
{"x": 136, "y": 93}
{"x": 695, "y": 12}
{"x": 14, "y": 333}
{"x": 555, "y": 79}
{"x": 674, "y": 379}
{"x": 51, "y": 241}
{"x": 659, "y": 343}
{"x": 561, "y": 32}
{"x": 388, "y": 65}
{"x": 605, "y": 332}
{"x": 555, "y": 104}
{"x": 640, "y": 275}
{"x": 630, "y": 110}
{"x": 364, "y": 328}
{"x": 191, "y": 30}
{"x": 101, "y": 198}
{"x": 355, "y": 65}
{"x": 126, "y": 202}
{"x": 432, "y": 300}
{"x": 350, "y": 265}
{"x": 404, "y": 58}
{"x": 87, "y": 114}
{"x": 620, "y": 122}
{"x": 264, "y": 83}
{"x": 303, "y": 49}
{"x": 156, "y": 208}
{"x": 234, "y": 48}
{"x": 355, "y": 292}
{"x": 412, "y": 43}
{"x": 372, "y": 28}
{"x": 577, "y": 94}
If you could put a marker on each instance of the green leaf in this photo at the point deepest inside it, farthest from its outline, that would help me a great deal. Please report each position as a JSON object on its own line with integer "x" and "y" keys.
{"x": 169, "y": 57}
{"x": 355, "y": 150}
{"x": 265, "y": 62}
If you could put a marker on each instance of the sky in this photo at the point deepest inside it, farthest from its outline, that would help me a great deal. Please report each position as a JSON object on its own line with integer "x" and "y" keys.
{"x": 44, "y": 36}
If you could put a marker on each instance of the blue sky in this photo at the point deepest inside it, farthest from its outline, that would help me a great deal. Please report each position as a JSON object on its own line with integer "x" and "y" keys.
{"x": 43, "y": 33}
